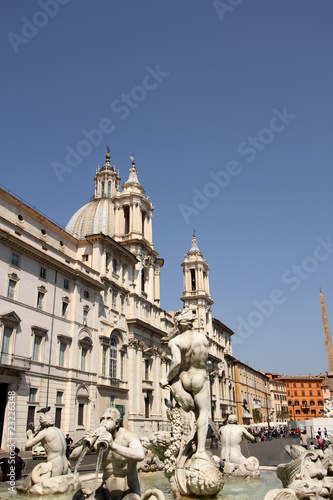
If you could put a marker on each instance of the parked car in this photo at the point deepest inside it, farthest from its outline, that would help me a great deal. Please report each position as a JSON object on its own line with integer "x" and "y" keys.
{"x": 38, "y": 452}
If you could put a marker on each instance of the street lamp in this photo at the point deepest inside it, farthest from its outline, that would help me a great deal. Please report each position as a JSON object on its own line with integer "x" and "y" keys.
{"x": 268, "y": 427}
{"x": 209, "y": 366}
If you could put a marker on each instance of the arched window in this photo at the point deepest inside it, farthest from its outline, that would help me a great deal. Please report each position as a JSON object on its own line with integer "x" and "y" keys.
{"x": 113, "y": 358}
{"x": 102, "y": 193}
{"x": 109, "y": 189}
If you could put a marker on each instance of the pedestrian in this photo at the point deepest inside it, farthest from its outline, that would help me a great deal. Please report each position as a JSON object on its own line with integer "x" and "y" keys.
{"x": 319, "y": 432}
{"x": 320, "y": 442}
{"x": 325, "y": 432}
{"x": 69, "y": 441}
{"x": 12, "y": 466}
{"x": 304, "y": 439}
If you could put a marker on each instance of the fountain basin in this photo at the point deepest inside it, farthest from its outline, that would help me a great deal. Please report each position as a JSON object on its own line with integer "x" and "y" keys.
{"x": 233, "y": 489}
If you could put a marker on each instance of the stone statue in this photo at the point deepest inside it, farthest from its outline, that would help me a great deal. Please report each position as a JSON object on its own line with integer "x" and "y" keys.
{"x": 191, "y": 471}
{"x": 49, "y": 477}
{"x": 235, "y": 463}
{"x": 188, "y": 377}
{"x": 328, "y": 408}
{"x": 308, "y": 475}
{"x": 122, "y": 451}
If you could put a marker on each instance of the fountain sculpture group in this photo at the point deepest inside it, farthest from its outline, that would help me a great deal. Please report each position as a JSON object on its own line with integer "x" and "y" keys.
{"x": 191, "y": 470}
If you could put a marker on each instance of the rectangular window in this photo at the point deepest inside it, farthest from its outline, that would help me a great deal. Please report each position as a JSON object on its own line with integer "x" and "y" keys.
{"x": 11, "y": 289}
{"x": 112, "y": 402}
{"x": 310, "y": 384}
{"x": 318, "y": 393}
{"x": 122, "y": 358}
{"x": 57, "y": 421}
{"x": 85, "y": 258}
{"x": 36, "y": 349}
{"x": 7, "y": 334}
{"x": 42, "y": 273}
{"x": 303, "y": 393}
{"x": 114, "y": 299}
{"x": 80, "y": 414}
{"x": 83, "y": 358}
{"x": 64, "y": 309}
{"x": 320, "y": 403}
{"x": 15, "y": 260}
{"x": 193, "y": 283}
{"x": 126, "y": 219}
{"x": 122, "y": 301}
{"x": 40, "y": 300}
{"x": 114, "y": 265}
{"x": 33, "y": 395}
{"x": 85, "y": 317}
{"x": 31, "y": 416}
{"x": 66, "y": 284}
{"x": 313, "y": 412}
{"x": 59, "y": 397}
{"x": 146, "y": 369}
{"x": 104, "y": 352}
{"x": 62, "y": 350}
{"x": 310, "y": 392}
{"x": 312, "y": 403}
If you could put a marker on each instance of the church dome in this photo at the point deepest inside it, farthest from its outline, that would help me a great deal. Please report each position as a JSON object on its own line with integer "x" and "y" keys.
{"x": 93, "y": 218}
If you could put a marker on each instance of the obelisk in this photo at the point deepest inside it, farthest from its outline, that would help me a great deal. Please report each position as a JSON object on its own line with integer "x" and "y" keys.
{"x": 328, "y": 341}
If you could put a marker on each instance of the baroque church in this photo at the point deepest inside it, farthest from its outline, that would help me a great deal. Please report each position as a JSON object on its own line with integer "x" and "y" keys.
{"x": 81, "y": 323}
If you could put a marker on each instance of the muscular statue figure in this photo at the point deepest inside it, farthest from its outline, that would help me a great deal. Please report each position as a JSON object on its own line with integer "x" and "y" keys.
{"x": 187, "y": 377}
{"x": 54, "y": 443}
{"x": 231, "y": 437}
{"x": 123, "y": 450}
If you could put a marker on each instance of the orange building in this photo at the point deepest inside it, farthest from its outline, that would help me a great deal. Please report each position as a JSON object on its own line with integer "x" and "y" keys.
{"x": 304, "y": 396}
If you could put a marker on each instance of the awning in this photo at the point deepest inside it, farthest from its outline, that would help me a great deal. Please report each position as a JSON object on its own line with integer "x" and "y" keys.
{"x": 246, "y": 414}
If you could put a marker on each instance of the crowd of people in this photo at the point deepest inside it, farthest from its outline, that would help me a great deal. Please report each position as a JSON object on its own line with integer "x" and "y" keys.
{"x": 265, "y": 434}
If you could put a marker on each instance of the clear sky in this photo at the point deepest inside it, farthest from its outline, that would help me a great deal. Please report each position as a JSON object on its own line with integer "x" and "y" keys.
{"x": 228, "y": 108}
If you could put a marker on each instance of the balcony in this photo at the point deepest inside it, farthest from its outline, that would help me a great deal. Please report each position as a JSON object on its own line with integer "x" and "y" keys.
{"x": 15, "y": 362}
{"x": 110, "y": 382}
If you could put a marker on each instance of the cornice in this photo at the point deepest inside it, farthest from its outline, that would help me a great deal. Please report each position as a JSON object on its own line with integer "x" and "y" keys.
{"x": 48, "y": 260}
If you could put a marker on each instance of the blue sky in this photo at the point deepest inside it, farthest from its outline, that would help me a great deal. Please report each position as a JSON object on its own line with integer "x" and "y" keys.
{"x": 228, "y": 109}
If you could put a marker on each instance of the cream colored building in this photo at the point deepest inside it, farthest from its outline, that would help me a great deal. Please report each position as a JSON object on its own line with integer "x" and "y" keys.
{"x": 253, "y": 397}
{"x": 81, "y": 324}
{"x": 278, "y": 399}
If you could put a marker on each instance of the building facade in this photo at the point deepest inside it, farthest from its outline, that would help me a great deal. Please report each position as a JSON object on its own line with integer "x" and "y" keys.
{"x": 278, "y": 399}
{"x": 304, "y": 396}
{"x": 81, "y": 324}
{"x": 253, "y": 398}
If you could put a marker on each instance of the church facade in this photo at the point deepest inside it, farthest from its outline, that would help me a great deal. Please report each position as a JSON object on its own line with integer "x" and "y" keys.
{"x": 81, "y": 324}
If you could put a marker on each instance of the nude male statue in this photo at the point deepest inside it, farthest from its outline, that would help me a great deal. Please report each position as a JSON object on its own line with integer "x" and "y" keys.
{"x": 188, "y": 377}
{"x": 123, "y": 450}
{"x": 231, "y": 436}
{"x": 54, "y": 443}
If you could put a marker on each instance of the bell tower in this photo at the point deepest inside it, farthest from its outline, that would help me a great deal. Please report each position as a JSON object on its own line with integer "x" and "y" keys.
{"x": 133, "y": 229}
{"x": 134, "y": 210}
{"x": 196, "y": 294}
